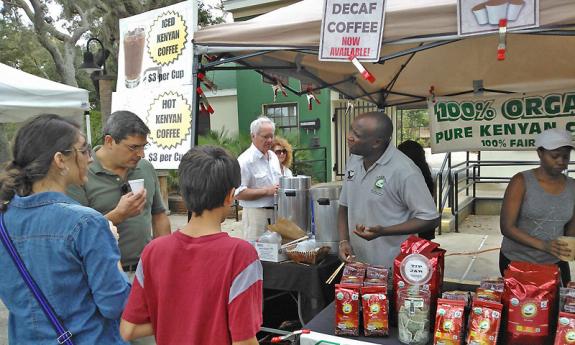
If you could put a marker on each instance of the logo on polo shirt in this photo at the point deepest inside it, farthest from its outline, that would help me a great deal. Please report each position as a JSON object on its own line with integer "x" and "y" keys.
{"x": 379, "y": 182}
{"x": 350, "y": 174}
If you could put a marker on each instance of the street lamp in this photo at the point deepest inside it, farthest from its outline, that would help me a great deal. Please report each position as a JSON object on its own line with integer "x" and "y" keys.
{"x": 91, "y": 65}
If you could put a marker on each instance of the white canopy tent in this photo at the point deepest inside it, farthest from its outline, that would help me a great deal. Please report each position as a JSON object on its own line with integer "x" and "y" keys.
{"x": 23, "y": 96}
{"x": 421, "y": 49}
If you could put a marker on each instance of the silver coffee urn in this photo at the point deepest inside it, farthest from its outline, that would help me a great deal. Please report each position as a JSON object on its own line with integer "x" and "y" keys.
{"x": 325, "y": 198}
{"x": 293, "y": 201}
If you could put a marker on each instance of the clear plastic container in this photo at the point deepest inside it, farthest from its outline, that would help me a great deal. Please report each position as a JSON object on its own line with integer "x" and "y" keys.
{"x": 413, "y": 316}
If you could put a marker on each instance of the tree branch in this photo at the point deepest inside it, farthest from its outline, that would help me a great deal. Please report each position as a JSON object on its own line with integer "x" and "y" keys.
{"x": 37, "y": 17}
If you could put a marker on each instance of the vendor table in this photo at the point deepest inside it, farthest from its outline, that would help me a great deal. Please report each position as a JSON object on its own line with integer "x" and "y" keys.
{"x": 323, "y": 326}
{"x": 305, "y": 282}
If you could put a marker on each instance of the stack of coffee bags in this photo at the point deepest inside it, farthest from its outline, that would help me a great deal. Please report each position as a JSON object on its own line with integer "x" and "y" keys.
{"x": 368, "y": 284}
{"x": 347, "y": 302}
{"x": 530, "y": 297}
{"x": 565, "y": 334}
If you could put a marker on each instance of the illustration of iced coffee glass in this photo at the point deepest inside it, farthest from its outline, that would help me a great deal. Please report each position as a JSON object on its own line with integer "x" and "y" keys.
{"x": 134, "y": 41}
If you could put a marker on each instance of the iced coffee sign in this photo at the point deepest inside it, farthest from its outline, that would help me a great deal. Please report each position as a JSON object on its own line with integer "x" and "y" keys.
{"x": 501, "y": 123}
{"x": 156, "y": 48}
{"x": 168, "y": 115}
{"x": 351, "y": 28}
{"x": 483, "y": 16}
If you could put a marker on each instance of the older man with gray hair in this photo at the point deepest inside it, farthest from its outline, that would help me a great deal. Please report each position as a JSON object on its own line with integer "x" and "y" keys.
{"x": 260, "y": 179}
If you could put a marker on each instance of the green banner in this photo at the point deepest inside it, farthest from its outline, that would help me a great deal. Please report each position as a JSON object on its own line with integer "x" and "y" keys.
{"x": 497, "y": 123}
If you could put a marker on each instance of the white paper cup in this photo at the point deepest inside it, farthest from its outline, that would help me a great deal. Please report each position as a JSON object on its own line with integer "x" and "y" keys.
{"x": 496, "y": 10}
{"x": 136, "y": 185}
{"x": 571, "y": 243}
{"x": 514, "y": 9}
{"x": 480, "y": 13}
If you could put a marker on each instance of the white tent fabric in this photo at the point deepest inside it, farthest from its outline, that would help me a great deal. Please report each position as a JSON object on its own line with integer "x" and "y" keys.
{"x": 23, "y": 96}
{"x": 536, "y": 60}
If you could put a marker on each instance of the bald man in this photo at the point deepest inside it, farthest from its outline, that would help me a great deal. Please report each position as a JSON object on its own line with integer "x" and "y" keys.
{"x": 384, "y": 197}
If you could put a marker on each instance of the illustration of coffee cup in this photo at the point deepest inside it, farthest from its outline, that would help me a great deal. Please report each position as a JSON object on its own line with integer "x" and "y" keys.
{"x": 514, "y": 9}
{"x": 134, "y": 42}
{"x": 496, "y": 10}
{"x": 480, "y": 13}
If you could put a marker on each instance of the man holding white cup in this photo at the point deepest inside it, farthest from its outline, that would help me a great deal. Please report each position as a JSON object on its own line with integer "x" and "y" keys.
{"x": 124, "y": 187}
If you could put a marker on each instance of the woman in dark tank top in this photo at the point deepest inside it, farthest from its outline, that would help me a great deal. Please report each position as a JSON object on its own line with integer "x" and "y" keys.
{"x": 538, "y": 207}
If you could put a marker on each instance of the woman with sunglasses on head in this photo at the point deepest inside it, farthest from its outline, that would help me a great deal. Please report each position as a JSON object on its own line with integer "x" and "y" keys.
{"x": 284, "y": 151}
{"x": 68, "y": 249}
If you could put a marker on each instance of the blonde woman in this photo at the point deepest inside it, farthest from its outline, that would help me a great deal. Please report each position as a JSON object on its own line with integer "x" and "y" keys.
{"x": 284, "y": 151}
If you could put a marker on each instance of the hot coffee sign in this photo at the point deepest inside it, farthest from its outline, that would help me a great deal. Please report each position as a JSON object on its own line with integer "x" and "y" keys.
{"x": 155, "y": 78}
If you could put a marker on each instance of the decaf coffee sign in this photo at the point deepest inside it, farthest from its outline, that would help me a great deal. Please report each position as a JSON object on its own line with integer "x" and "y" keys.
{"x": 483, "y": 16}
{"x": 156, "y": 48}
{"x": 351, "y": 28}
{"x": 498, "y": 123}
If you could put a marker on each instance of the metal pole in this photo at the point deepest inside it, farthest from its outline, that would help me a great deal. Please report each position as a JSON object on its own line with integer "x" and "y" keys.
{"x": 88, "y": 127}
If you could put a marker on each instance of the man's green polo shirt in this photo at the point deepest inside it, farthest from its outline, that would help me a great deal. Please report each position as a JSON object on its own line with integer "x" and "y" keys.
{"x": 103, "y": 191}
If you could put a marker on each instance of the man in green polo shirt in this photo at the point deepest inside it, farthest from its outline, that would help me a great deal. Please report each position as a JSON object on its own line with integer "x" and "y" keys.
{"x": 137, "y": 216}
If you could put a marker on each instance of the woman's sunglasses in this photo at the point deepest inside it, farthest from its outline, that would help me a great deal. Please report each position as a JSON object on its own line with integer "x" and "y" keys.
{"x": 279, "y": 152}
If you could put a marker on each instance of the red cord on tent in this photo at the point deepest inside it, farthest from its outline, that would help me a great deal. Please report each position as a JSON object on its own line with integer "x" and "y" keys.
{"x": 501, "y": 48}
{"x": 311, "y": 97}
{"x": 278, "y": 87}
{"x": 204, "y": 103}
{"x": 207, "y": 82}
{"x": 432, "y": 93}
{"x": 364, "y": 72}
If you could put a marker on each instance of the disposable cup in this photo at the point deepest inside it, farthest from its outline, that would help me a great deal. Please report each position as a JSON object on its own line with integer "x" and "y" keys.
{"x": 514, "y": 9}
{"x": 496, "y": 10}
{"x": 136, "y": 185}
{"x": 480, "y": 13}
{"x": 571, "y": 244}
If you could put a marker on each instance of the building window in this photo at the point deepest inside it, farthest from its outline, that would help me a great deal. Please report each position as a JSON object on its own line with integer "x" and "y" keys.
{"x": 284, "y": 116}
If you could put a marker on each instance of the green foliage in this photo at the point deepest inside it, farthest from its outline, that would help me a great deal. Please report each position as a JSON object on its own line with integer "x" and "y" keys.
{"x": 19, "y": 48}
{"x": 412, "y": 124}
{"x": 96, "y": 126}
{"x": 234, "y": 144}
{"x": 7, "y": 134}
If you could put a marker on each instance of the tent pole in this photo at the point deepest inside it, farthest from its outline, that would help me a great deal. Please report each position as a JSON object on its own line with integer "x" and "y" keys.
{"x": 414, "y": 50}
{"x": 196, "y": 106}
{"x": 88, "y": 127}
{"x": 209, "y": 65}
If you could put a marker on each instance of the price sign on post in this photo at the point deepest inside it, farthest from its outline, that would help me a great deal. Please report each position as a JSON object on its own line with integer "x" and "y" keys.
{"x": 351, "y": 28}
{"x": 155, "y": 79}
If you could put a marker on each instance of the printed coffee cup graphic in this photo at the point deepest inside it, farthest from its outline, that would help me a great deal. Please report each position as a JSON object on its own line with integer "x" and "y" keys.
{"x": 492, "y": 11}
{"x": 134, "y": 42}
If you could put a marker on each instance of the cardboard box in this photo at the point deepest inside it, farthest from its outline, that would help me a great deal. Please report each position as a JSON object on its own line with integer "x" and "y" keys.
{"x": 270, "y": 252}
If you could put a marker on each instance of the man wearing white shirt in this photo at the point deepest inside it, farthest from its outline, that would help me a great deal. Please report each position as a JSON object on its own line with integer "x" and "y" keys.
{"x": 260, "y": 179}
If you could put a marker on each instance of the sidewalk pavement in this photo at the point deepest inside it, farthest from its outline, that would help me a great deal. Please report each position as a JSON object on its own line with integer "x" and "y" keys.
{"x": 472, "y": 254}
